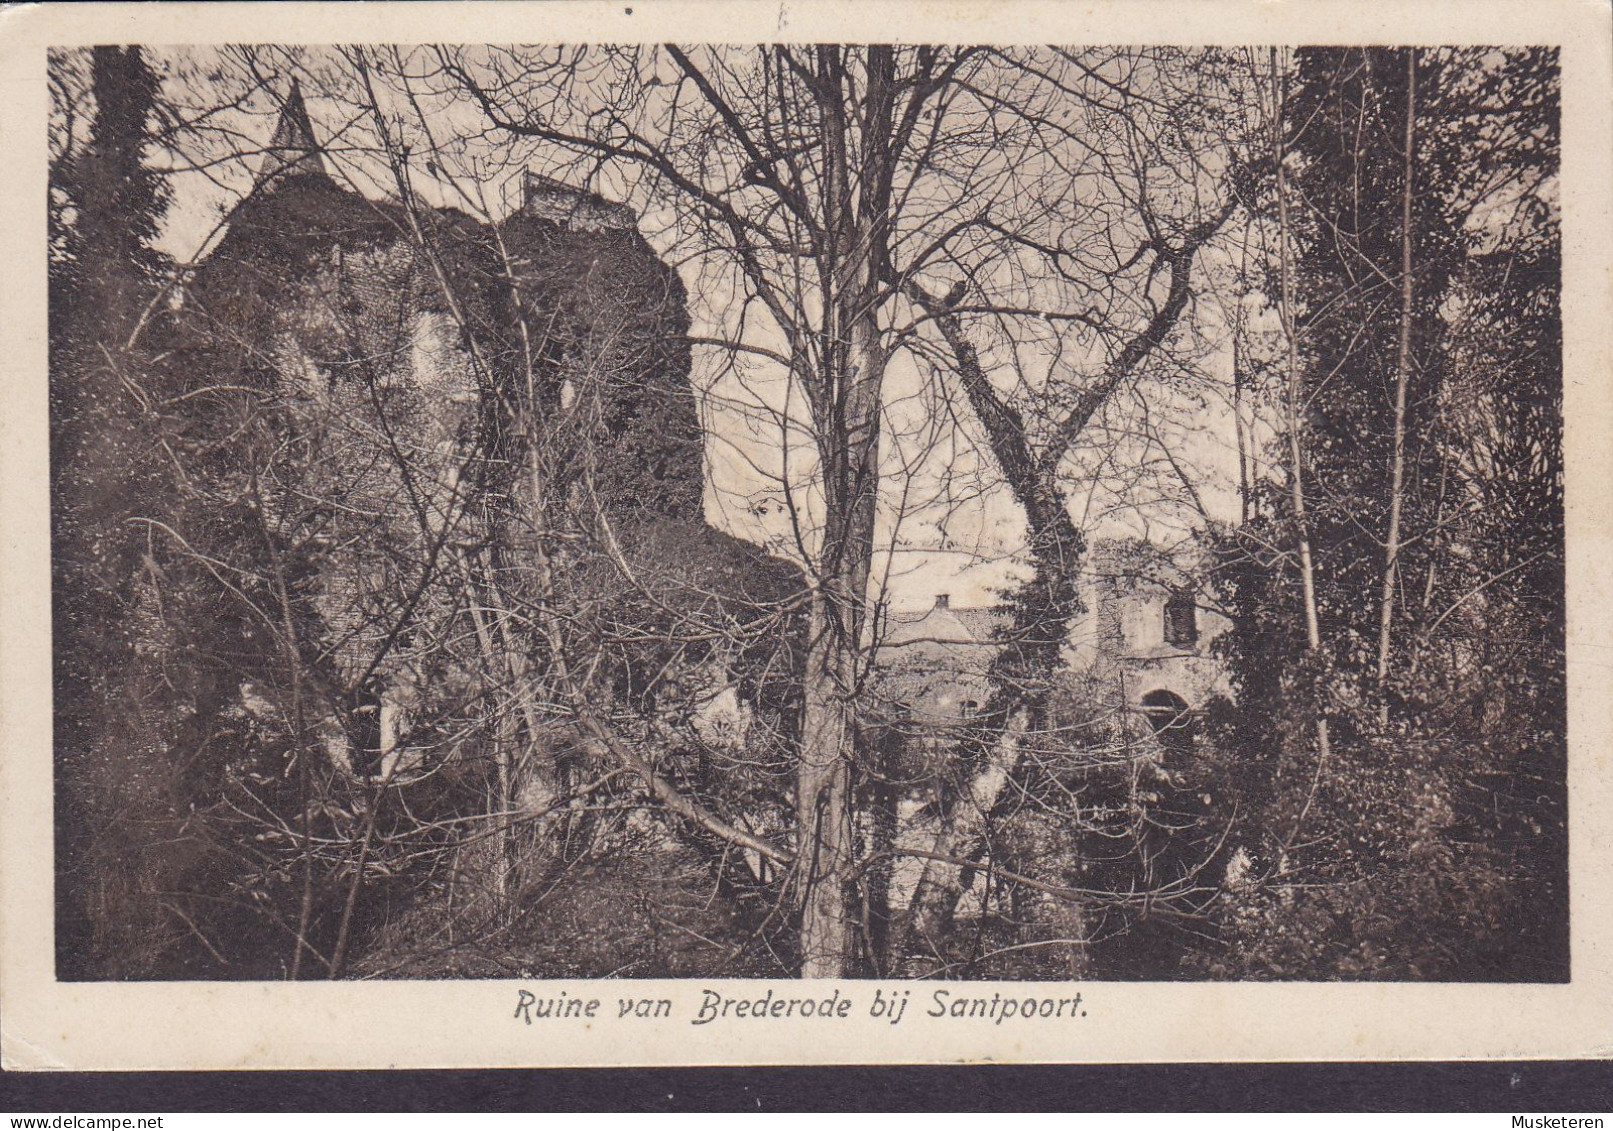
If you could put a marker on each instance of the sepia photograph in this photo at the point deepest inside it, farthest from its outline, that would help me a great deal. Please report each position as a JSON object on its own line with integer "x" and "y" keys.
{"x": 907, "y": 517}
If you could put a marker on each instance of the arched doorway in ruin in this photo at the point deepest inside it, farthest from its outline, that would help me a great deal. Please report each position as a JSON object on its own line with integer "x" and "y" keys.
{"x": 1171, "y": 720}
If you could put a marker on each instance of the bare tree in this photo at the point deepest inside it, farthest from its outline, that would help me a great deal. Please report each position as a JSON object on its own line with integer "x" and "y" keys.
{"x": 1121, "y": 313}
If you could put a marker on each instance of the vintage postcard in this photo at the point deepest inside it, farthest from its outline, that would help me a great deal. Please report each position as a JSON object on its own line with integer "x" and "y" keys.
{"x": 671, "y": 532}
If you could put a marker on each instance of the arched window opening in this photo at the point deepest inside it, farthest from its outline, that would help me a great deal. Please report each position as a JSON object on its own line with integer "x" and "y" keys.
{"x": 1171, "y": 719}
{"x": 1181, "y": 619}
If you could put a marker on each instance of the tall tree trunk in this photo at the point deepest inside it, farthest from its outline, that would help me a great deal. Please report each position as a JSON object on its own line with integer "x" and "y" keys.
{"x": 826, "y": 840}
{"x": 852, "y": 264}
{"x": 1296, "y": 416}
{"x": 824, "y": 835}
{"x": 504, "y": 736}
{"x": 1397, "y": 463}
{"x": 1044, "y": 608}
{"x": 1239, "y": 425}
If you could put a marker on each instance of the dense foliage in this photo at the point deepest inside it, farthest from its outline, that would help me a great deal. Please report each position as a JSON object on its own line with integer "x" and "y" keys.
{"x": 1431, "y": 842}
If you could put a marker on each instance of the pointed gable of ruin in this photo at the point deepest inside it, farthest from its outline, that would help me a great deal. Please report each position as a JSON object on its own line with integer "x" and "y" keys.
{"x": 292, "y": 152}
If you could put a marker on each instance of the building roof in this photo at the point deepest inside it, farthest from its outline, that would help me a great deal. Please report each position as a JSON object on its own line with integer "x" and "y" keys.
{"x": 934, "y": 663}
{"x": 944, "y": 624}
